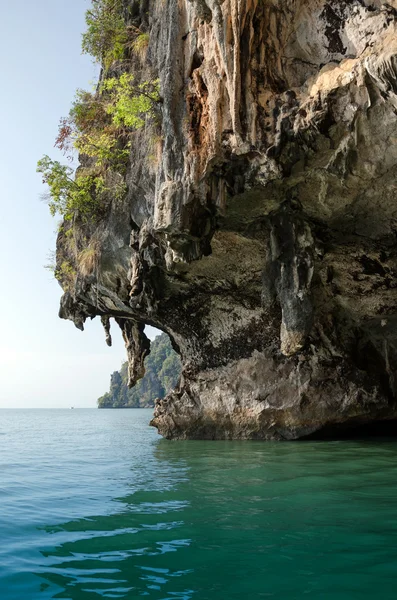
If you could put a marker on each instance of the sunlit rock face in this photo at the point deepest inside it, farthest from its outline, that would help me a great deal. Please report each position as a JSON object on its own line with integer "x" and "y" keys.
{"x": 259, "y": 229}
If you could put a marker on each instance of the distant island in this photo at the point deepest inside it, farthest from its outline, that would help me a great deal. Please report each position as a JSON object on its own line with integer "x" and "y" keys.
{"x": 163, "y": 368}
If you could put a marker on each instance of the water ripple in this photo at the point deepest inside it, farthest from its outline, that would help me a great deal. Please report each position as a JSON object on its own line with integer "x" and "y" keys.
{"x": 94, "y": 505}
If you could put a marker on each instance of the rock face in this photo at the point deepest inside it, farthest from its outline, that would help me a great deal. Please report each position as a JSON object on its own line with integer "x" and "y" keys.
{"x": 162, "y": 373}
{"x": 259, "y": 229}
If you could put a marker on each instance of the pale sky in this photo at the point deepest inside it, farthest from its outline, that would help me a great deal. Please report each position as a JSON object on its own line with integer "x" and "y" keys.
{"x": 44, "y": 361}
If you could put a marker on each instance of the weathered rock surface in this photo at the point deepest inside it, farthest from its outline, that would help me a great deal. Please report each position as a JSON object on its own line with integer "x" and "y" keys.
{"x": 260, "y": 226}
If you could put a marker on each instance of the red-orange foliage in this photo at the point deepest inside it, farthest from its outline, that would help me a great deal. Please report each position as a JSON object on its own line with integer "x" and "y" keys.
{"x": 64, "y": 138}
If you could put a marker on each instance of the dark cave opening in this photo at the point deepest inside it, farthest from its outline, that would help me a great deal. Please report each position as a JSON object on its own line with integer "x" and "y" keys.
{"x": 355, "y": 431}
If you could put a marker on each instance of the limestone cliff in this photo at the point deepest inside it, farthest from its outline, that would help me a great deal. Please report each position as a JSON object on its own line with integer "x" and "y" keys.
{"x": 162, "y": 373}
{"x": 259, "y": 227}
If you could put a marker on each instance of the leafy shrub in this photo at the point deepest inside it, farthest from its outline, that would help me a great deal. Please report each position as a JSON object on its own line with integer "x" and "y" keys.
{"x": 107, "y": 36}
{"x": 67, "y": 195}
{"x": 89, "y": 129}
{"x": 129, "y": 104}
{"x": 106, "y": 33}
{"x": 99, "y": 125}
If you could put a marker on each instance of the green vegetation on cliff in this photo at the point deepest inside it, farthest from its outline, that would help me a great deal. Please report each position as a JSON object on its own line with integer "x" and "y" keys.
{"x": 106, "y": 33}
{"x": 101, "y": 123}
{"x": 163, "y": 369}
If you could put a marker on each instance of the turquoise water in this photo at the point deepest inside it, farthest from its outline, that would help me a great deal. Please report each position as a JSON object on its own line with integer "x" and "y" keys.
{"x": 93, "y": 504}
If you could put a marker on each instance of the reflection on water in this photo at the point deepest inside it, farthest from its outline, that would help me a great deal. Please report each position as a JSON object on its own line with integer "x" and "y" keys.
{"x": 237, "y": 520}
{"x": 209, "y": 520}
{"x": 125, "y": 554}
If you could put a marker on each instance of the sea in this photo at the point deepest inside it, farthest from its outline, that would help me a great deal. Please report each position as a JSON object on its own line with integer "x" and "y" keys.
{"x": 94, "y": 504}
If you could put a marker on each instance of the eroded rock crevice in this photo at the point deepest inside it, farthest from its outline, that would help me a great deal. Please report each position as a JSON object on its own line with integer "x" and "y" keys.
{"x": 259, "y": 230}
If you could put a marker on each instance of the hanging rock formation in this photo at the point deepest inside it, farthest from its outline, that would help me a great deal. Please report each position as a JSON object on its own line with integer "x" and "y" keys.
{"x": 260, "y": 225}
